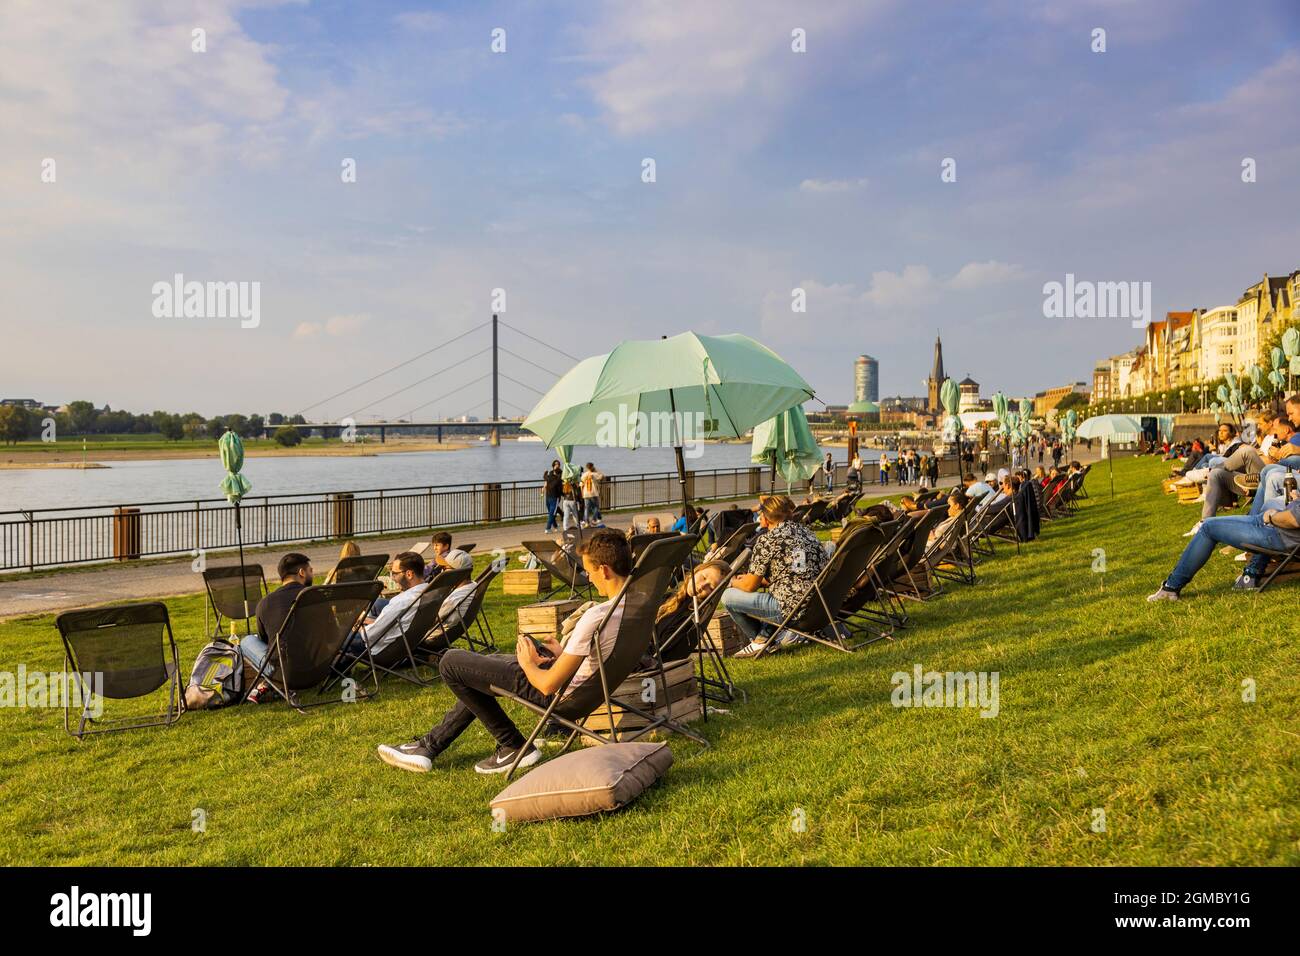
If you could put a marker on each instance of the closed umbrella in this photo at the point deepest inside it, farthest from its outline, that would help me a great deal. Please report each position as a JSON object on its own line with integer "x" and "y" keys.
{"x": 666, "y": 392}
{"x": 786, "y": 442}
{"x": 1111, "y": 428}
{"x": 234, "y": 486}
{"x": 950, "y": 398}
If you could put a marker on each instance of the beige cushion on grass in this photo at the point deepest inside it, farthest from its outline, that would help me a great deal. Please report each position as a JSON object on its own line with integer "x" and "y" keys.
{"x": 586, "y": 781}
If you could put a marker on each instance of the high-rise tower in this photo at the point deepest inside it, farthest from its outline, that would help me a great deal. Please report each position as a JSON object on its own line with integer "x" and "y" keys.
{"x": 866, "y": 379}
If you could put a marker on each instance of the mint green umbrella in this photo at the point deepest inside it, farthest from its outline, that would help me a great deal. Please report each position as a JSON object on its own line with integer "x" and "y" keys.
{"x": 786, "y": 442}
{"x": 234, "y": 486}
{"x": 664, "y": 392}
{"x": 568, "y": 470}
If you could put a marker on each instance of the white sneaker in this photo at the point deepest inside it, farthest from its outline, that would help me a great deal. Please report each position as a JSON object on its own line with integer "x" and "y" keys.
{"x": 1242, "y": 557}
{"x": 751, "y": 649}
{"x": 1163, "y": 595}
{"x": 1195, "y": 528}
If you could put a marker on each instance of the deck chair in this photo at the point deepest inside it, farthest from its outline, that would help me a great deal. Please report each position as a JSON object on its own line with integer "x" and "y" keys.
{"x": 840, "y": 508}
{"x": 233, "y": 594}
{"x": 872, "y": 603}
{"x": 800, "y": 512}
{"x": 735, "y": 543}
{"x": 441, "y": 635}
{"x": 991, "y": 524}
{"x": 1283, "y": 559}
{"x": 639, "y": 542}
{"x": 949, "y": 558}
{"x": 639, "y": 597}
{"x": 118, "y": 653}
{"x": 913, "y": 580}
{"x": 401, "y": 654}
{"x": 564, "y": 565}
{"x": 364, "y": 567}
{"x": 819, "y": 607}
{"x": 689, "y": 636}
{"x": 306, "y": 653}
{"x": 815, "y": 511}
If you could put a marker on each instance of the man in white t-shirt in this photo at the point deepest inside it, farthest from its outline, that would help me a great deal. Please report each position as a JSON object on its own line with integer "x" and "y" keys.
{"x": 536, "y": 673}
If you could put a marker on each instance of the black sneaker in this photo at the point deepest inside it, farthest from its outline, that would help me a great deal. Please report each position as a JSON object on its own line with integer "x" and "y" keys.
{"x": 1246, "y": 582}
{"x": 415, "y": 756}
{"x": 501, "y": 761}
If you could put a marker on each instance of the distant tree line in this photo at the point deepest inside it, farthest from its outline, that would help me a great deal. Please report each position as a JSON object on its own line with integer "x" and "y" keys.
{"x": 83, "y": 418}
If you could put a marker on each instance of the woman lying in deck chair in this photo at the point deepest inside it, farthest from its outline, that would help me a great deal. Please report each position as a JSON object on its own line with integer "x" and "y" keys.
{"x": 535, "y": 672}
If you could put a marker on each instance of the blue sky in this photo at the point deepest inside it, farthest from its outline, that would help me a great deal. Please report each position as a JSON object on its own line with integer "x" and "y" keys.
{"x": 521, "y": 171}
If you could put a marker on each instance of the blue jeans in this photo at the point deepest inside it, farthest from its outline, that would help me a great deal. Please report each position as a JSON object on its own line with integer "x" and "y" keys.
{"x": 1239, "y": 531}
{"x": 1270, "y": 493}
{"x": 593, "y": 508}
{"x": 551, "y": 505}
{"x": 752, "y": 611}
{"x": 255, "y": 650}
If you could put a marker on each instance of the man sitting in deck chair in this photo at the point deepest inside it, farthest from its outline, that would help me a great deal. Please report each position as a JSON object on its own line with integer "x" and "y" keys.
{"x": 534, "y": 673}
{"x": 295, "y": 573}
{"x": 787, "y": 558}
{"x": 1276, "y": 527}
{"x": 407, "y": 572}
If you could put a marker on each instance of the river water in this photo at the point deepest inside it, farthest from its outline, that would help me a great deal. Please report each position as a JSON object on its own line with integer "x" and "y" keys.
{"x": 129, "y": 482}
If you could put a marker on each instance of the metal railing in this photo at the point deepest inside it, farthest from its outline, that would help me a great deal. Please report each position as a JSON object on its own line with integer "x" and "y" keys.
{"x": 62, "y": 536}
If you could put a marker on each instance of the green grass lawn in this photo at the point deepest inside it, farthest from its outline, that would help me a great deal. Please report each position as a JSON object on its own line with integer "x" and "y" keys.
{"x": 1106, "y": 703}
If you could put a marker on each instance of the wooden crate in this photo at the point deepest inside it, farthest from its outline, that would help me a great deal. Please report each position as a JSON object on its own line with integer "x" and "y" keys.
{"x": 543, "y": 619}
{"x": 836, "y": 533}
{"x": 681, "y": 696}
{"x": 723, "y": 635}
{"x": 1188, "y": 494}
{"x": 524, "y": 581}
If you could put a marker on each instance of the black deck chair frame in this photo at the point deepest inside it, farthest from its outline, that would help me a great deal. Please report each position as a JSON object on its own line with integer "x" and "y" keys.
{"x": 227, "y": 600}
{"x": 94, "y": 641}
{"x": 1283, "y": 557}
{"x": 565, "y": 567}
{"x": 915, "y": 582}
{"x": 820, "y": 605}
{"x": 639, "y": 597}
{"x": 308, "y": 651}
{"x": 735, "y": 544}
{"x": 362, "y": 567}
{"x": 440, "y": 636}
{"x": 401, "y": 656}
{"x": 717, "y": 687}
{"x": 872, "y": 601}
{"x": 990, "y": 525}
{"x": 951, "y": 559}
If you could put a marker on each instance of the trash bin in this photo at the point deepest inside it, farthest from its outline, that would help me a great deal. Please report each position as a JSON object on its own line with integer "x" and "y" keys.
{"x": 126, "y": 534}
{"x": 492, "y": 501}
{"x": 344, "y": 509}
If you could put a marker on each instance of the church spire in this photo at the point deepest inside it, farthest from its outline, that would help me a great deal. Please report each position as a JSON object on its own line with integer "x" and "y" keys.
{"x": 937, "y": 374}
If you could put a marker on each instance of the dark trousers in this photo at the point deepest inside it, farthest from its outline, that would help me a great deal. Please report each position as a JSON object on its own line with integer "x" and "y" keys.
{"x": 469, "y": 676}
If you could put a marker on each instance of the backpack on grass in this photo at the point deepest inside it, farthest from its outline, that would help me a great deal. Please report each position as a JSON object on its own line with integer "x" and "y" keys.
{"x": 217, "y": 678}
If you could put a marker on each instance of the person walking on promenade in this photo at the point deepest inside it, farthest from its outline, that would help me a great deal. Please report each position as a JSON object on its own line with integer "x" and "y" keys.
{"x": 552, "y": 489}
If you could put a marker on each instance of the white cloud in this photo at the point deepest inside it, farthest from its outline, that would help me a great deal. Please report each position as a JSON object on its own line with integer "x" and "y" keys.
{"x": 831, "y": 185}
{"x": 975, "y": 275}
{"x": 678, "y": 61}
{"x": 336, "y": 326}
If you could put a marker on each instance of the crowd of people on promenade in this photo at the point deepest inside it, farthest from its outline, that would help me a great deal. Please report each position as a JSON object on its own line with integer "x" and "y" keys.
{"x": 1258, "y": 465}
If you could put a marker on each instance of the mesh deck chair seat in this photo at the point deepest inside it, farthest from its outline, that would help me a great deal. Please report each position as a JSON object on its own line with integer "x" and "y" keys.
{"x": 118, "y": 653}
{"x": 233, "y": 594}
{"x": 639, "y": 598}
{"x": 363, "y": 567}
{"x": 872, "y": 601}
{"x": 815, "y": 511}
{"x": 440, "y": 635}
{"x": 912, "y": 579}
{"x": 690, "y": 637}
{"x": 990, "y": 524}
{"x": 639, "y": 542}
{"x": 819, "y": 608}
{"x": 400, "y": 654}
{"x": 564, "y": 565}
{"x": 948, "y": 557}
{"x": 735, "y": 543}
{"x": 308, "y": 649}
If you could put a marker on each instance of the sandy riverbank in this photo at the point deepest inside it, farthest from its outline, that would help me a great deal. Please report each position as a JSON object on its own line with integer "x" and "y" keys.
{"x": 72, "y": 458}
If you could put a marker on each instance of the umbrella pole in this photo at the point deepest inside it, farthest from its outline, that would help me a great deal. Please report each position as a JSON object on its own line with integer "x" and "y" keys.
{"x": 243, "y": 582}
{"x": 677, "y": 449}
{"x": 771, "y": 484}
